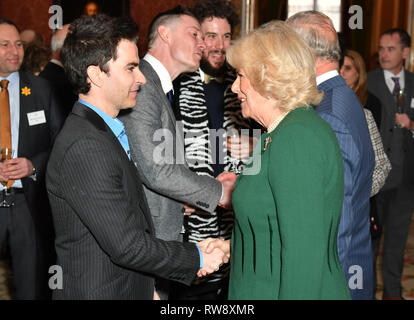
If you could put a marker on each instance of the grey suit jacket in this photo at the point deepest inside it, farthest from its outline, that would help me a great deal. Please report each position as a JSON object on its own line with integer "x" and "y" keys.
{"x": 398, "y": 143}
{"x": 158, "y": 151}
{"x": 105, "y": 239}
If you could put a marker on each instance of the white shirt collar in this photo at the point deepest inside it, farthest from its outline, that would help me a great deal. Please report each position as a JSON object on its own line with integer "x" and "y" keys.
{"x": 326, "y": 76}
{"x": 389, "y": 74}
{"x": 57, "y": 62}
{"x": 202, "y": 74}
{"x": 390, "y": 83}
{"x": 161, "y": 71}
{"x": 13, "y": 78}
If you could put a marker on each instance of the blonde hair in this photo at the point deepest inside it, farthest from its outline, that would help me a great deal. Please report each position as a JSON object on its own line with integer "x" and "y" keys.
{"x": 360, "y": 87}
{"x": 278, "y": 63}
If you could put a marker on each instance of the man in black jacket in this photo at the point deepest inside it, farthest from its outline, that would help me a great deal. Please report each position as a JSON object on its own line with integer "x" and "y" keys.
{"x": 35, "y": 119}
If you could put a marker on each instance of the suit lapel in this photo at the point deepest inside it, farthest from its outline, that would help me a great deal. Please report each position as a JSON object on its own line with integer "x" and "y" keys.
{"x": 389, "y": 106}
{"x": 27, "y": 105}
{"x": 407, "y": 94}
{"x": 151, "y": 74}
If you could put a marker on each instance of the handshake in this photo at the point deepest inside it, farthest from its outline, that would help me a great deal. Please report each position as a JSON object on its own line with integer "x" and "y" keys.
{"x": 215, "y": 252}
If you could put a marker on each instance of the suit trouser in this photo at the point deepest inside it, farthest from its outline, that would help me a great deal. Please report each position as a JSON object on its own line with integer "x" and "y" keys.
{"x": 395, "y": 208}
{"x": 17, "y": 231}
{"x": 204, "y": 291}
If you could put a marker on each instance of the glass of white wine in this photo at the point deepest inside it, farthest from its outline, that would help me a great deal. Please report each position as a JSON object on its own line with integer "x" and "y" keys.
{"x": 5, "y": 154}
{"x": 399, "y": 105}
{"x": 233, "y": 138}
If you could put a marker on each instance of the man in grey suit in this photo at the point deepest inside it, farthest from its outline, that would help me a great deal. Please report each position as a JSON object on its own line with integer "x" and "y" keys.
{"x": 157, "y": 145}
{"x": 175, "y": 46}
{"x": 105, "y": 239}
{"x": 394, "y": 86}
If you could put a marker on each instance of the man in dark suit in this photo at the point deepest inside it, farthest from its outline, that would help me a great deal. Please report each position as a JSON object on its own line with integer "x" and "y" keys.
{"x": 340, "y": 107}
{"x": 55, "y": 73}
{"x": 25, "y": 221}
{"x": 105, "y": 239}
{"x": 394, "y": 86}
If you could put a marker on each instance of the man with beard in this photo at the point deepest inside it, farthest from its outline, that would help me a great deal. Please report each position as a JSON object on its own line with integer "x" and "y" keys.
{"x": 207, "y": 107}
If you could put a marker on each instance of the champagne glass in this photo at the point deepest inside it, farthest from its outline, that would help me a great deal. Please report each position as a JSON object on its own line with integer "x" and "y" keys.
{"x": 5, "y": 154}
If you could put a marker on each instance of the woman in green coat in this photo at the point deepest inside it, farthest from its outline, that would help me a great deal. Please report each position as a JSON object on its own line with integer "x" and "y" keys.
{"x": 288, "y": 200}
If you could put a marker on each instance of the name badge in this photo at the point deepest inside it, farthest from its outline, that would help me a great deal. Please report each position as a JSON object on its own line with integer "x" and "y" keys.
{"x": 412, "y": 103}
{"x": 36, "y": 117}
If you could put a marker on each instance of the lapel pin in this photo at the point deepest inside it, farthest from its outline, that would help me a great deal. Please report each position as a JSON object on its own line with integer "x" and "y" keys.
{"x": 26, "y": 91}
{"x": 267, "y": 142}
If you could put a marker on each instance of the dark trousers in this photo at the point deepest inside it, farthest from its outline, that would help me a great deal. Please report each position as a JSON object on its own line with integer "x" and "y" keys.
{"x": 18, "y": 237}
{"x": 204, "y": 291}
{"x": 395, "y": 208}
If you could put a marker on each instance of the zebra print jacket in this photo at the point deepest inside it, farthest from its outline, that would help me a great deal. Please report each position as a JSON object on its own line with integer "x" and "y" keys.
{"x": 195, "y": 123}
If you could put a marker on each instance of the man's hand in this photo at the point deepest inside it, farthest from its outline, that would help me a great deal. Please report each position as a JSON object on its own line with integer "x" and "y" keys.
{"x": 209, "y": 244}
{"x": 211, "y": 262}
{"x": 227, "y": 180}
{"x": 225, "y": 201}
{"x": 156, "y": 296}
{"x": 17, "y": 168}
{"x": 403, "y": 120}
{"x": 189, "y": 209}
{"x": 225, "y": 175}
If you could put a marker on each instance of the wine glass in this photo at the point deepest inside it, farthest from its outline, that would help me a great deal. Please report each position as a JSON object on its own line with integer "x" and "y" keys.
{"x": 233, "y": 137}
{"x": 399, "y": 104}
{"x": 5, "y": 154}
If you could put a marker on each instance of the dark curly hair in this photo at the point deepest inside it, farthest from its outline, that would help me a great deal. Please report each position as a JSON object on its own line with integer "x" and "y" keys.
{"x": 36, "y": 57}
{"x": 225, "y": 9}
{"x": 93, "y": 41}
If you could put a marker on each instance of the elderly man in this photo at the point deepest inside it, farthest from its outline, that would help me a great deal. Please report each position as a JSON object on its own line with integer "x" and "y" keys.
{"x": 340, "y": 107}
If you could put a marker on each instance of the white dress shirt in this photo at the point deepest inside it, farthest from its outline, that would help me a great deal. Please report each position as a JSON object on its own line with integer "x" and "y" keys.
{"x": 161, "y": 71}
{"x": 326, "y": 76}
{"x": 390, "y": 83}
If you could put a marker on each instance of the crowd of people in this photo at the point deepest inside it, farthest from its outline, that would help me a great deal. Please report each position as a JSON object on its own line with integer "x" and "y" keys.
{"x": 122, "y": 174}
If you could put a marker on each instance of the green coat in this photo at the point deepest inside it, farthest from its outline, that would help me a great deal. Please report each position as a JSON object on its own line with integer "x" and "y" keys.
{"x": 287, "y": 215}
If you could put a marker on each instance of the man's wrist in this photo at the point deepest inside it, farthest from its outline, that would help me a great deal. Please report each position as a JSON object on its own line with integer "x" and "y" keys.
{"x": 201, "y": 256}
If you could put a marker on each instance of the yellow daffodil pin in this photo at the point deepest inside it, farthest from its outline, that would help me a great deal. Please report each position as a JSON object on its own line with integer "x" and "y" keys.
{"x": 26, "y": 91}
